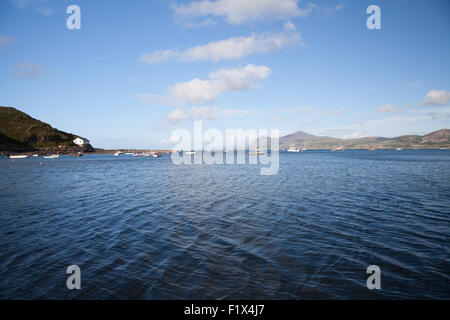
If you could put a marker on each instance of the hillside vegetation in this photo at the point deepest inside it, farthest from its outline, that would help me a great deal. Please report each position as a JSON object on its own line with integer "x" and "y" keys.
{"x": 19, "y": 131}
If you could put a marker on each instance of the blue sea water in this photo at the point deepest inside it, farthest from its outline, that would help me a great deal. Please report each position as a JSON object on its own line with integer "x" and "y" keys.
{"x": 144, "y": 228}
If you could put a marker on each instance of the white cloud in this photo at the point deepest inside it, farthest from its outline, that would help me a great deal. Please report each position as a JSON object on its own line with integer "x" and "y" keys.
{"x": 158, "y": 56}
{"x": 332, "y": 10}
{"x": 45, "y": 11}
{"x": 195, "y": 91}
{"x": 203, "y": 23}
{"x": 411, "y": 121}
{"x": 437, "y": 97}
{"x": 20, "y": 3}
{"x": 289, "y": 26}
{"x": 28, "y": 71}
{"x": 239, "y": 11}
{"x": 388, "y": 108}
{"x": 198, "y": 91}
{"x": 232, "y": 48}
{"x": 205, "y": 113}
{"x": 155, "y": 99}
{"x": 240, "y": 78}
{"x": 6, "y": 41}
{"x": 42, "y": 6}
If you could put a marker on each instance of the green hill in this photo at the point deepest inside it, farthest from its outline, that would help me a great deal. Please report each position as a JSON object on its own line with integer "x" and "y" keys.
{"x": 20, "y": 132}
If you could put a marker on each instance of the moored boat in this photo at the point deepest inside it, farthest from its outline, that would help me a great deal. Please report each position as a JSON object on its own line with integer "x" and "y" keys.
{"x": 258, "y": 152}
{"x": 22, "y": 156}
{"x": 52, "y": 156}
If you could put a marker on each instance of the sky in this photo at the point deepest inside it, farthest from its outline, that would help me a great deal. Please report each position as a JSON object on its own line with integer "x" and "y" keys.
{"x": 137, "y": 70}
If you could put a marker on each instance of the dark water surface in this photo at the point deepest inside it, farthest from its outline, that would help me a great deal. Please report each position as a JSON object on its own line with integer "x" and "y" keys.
{"x": 144, "y": 228}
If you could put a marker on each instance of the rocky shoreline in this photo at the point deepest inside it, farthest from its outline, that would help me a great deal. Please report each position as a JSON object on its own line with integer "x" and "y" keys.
{"x": 70, "y": 151}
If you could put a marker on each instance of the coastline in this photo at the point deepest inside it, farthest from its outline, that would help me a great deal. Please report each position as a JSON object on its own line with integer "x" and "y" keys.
{"x": 167, "y": 151}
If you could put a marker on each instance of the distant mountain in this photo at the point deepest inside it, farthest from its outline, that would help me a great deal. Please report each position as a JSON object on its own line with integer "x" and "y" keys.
{"x": 20, "y": 132}
{"x": 300, "y": 139}
{"x": 440, "y": 136}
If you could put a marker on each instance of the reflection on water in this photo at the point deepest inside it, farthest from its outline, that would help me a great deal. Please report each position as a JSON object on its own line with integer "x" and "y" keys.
{"x": 144, "y": 228}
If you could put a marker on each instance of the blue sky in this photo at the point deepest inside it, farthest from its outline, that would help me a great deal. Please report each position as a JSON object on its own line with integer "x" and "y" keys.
{"x": 136, "y": 70}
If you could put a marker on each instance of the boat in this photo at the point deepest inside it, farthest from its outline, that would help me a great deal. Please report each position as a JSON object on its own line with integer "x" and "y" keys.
{"x": 293, "y": 150}
{"x": 35, "y": 155}
{"x": 304, "y": 149}
{"x": 52, "y": 156}
{"x": 258, "y": 152}
{"x": 129, "y": 153}
{"x": 19, "y": 156}
{"x": 157, "y": 155}
{"x": 118, "y": 153}
{"x": 338, "y": 149}
{"x": 190, "y": 152}
{"x": 398, "y": 149}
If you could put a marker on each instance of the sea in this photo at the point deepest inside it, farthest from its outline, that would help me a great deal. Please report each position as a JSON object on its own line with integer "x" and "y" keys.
{"x": 146, "y": 228}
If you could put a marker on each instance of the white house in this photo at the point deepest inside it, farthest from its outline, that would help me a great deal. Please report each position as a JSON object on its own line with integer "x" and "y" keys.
{"x": 81, "y": 142}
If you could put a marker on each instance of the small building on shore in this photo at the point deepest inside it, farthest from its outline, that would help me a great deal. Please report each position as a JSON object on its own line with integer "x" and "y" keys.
{"x": 82, "y": 142}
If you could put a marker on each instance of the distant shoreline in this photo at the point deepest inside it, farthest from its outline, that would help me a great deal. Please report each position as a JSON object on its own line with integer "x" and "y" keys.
{"x": 107, "y": 151}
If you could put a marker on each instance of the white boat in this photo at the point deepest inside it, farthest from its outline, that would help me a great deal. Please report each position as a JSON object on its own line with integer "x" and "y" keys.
{"x": 304, "y": 149}
{"x": 35, "y": 155}
{"x": 294, "y": 150}
{"x": 53, "y": 156}
{"x": 118, "y": 153}
{"x": 190, "y": 152}
{"x": 257, "y": 153}
{"x": 19, "y": 156}
{"x": 398, "y": 149}
{"x": 129, "y": 153}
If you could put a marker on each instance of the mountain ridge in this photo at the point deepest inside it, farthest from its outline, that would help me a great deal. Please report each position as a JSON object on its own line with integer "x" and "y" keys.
{"x": 300, "y": 139}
